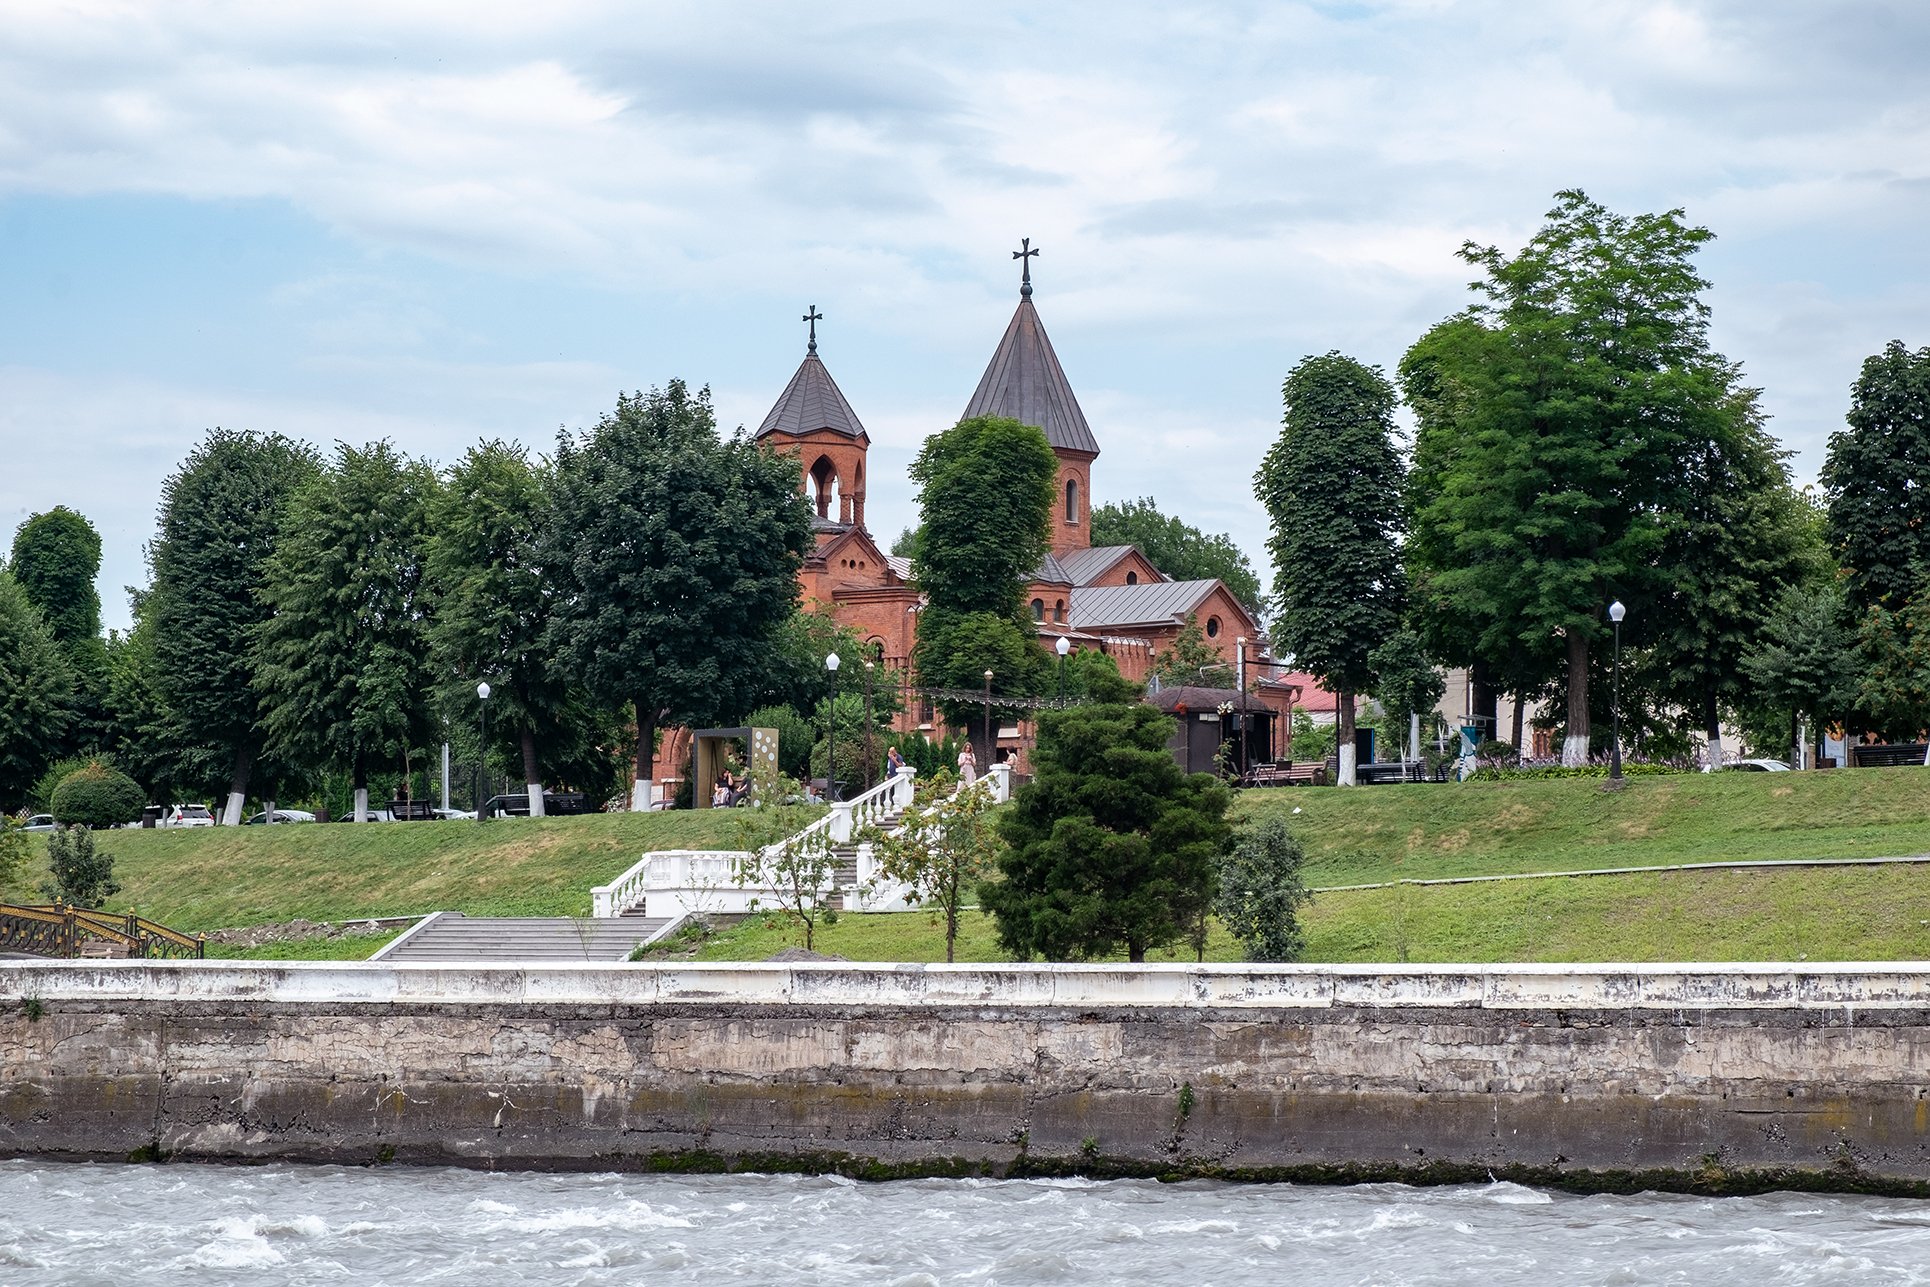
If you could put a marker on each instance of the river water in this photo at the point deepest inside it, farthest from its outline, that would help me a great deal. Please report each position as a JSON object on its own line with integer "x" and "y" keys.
{"x": 115, "y": 1224}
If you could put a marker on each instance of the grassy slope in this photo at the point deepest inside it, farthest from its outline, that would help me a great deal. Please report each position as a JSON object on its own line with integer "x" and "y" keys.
{"x": 209, "y": 878}
{"x": 1418, "y": 832}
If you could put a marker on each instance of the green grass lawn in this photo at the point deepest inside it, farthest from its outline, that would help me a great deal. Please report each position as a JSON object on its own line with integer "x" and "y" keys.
{"x": 217, "y": 877}
{"x": 346, "y": 947}
{"x": 1425, "y": 830}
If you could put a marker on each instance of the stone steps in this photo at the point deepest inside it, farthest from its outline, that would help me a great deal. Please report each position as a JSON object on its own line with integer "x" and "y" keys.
{"x": 452, "y": 936}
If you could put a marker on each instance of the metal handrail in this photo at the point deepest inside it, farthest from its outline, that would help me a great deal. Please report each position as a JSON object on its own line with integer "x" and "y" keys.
{"x": 56, "y": 929}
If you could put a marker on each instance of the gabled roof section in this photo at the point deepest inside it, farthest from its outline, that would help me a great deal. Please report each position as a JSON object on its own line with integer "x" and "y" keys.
{"x": 1051, "y": 572}
{"x": 1025, "y": 382}
{"x": 1094, "y": 561}
{"x": 1095, "y": 607}
{"x": 810, "y": 403}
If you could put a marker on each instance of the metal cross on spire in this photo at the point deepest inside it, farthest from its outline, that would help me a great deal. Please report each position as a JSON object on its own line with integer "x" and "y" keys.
{"x": 813, "y": 317}
{"x": 1025, "y": 254}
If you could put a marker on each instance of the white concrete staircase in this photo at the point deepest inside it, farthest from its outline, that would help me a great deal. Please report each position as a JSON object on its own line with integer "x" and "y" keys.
{"x": 451, "y": 936}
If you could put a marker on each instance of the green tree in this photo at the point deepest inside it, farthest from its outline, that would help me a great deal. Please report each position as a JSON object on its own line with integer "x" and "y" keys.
{"x": 946, "y": 847}
{"x": 492, "y": 602}
{"x": 1095, "y": 676}
{"x": 36, "y": 692}
{"x": 1893, "y": 689}
{"x": 674, "y": 557}
{"x": 1332, "y": 485}
{"x": 1178, "y": 549}
{"x": 139, "y": 729}
{"x": 1408, "y": 683}
{"x": 797, "y": 874}
{"x": 57, "y": 559}
{"x": 221, "y": 519}
{"x": 1262, "y": 891}
{"x": 97, "y": 795}
{"x": 1112, "y": 844}
{"x": 1574, "y": 390}
{"x": 1806, "y": 658}
{"x": 986, "y": 489}
{"x": 342, "y": 659}
{"x": 81, "y": 874}
{"x": 1190, "y": 661}
{"x": 1874, "y": 476}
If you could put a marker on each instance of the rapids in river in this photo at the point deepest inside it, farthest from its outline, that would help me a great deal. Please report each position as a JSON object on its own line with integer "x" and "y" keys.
{"x": 117, "y": 1224}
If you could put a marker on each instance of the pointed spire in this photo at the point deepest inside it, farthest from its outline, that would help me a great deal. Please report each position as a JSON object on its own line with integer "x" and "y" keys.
{"x": 1024, "y": 253}
{"x": 812, "y": 316}
{"x": 812, "y": 400}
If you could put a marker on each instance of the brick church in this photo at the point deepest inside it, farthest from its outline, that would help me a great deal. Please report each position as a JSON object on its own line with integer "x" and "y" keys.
{"x": 1107, "y": 597}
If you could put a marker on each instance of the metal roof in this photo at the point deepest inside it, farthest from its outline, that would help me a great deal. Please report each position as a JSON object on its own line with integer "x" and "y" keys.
{"x": 810, "y": 402}
{"x": 1083, "y": 565}
{"x": 1052, "y": 570}
{"x": 1025, "y": 382}
{"x": 1094, "y": 607}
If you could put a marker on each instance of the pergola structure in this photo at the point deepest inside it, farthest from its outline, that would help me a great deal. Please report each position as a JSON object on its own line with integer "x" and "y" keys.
{"x": 707, "y": 750}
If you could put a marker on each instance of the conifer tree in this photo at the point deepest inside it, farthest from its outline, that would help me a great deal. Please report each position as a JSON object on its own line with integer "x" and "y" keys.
{"x": 1877, "y": 477}
{"x": 342, "y": 660}
{"x": 1332, "y": 486}
{"x": 221, "y": 512}
{"x": 1112, "y": 844}
{"x": 674, "y": 559}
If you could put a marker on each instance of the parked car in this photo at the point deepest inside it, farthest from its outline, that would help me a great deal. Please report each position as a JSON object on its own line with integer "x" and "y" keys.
{"x": 187, "y": 815}
{"x": 1757, "y": 766}
{"x": 453, "y": 815}
{"x": 374, "y": 815}
{"x": 40, "y": 822}
{"x": 282, "y": 815}
{"x": 556, "y": 804}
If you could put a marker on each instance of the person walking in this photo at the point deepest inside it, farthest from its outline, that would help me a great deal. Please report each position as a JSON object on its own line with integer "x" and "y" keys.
{"x": 967, "y": 766}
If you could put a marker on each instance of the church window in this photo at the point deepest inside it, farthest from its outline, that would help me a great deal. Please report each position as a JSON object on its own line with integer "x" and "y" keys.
{"x": 1059, "y": 611}
{"x": 1132, "y": 578}
{"x": 1212, "y": 627}
{"x": 1072, "y": 500}
{"x": 1038, "y": 609}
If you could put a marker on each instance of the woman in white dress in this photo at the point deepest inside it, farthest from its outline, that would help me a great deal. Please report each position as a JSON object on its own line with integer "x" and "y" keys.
{"x": 967, "y": 766}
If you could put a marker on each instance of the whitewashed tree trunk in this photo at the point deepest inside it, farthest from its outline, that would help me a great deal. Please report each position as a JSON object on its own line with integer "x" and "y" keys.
{"x": 535, "y": 799}
{"x": 1574, "y": 749}
{"x": 1346, "y": 777}
{"x": 361, "y": 804}
{"x": 640, "y": 796}
{"x": 231, "y": 812}
{"x": 268, "y": 812}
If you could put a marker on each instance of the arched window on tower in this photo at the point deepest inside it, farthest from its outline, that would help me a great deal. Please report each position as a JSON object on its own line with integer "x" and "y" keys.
{"x": 1038, "y": 609}
{"x": 824, "y": 485}
{"x": 1072, "y": 500}
{"x": 1059, "y": 611}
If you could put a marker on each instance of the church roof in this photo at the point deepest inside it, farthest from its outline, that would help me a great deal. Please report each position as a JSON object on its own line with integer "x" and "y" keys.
{"x": 1094, "y": 607}
{"x": 812, "y": 402}
{"x": 1025, "y": 382}
{"x": 1093, "y": 561}
{"x": 1051, "y": 572}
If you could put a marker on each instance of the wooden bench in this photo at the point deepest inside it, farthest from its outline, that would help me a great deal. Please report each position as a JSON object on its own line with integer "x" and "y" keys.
{"x": 1270, "y": 775}
{"x": 412, "y": 811}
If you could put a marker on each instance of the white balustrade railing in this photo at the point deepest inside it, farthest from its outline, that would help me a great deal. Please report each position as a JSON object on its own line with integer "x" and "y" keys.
{"x": 679, "y": 882}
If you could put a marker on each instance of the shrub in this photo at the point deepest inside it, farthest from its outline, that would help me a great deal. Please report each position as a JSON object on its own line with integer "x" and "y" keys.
{"x": 82, "y": 874}
{"x": 1261, "y": 891}
{"x": 1512, "y": 773}
{"x": 41, "y": 798}
{"x": 96, "y": 795}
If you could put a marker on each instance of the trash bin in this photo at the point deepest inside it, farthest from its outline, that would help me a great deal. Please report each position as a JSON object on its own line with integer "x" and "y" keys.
{"x": 150, "y": 815}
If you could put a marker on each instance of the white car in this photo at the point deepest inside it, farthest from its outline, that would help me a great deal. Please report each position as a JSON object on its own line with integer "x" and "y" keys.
{"x": 1757, "y": 766}
{"x": 39, "y": 822}
{"x": 282, "y": 815}
{"x": 186, "y": 815}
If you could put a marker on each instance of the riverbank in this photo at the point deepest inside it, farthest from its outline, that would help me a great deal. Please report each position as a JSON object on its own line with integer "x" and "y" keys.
{"x": 1705, "y": 1079}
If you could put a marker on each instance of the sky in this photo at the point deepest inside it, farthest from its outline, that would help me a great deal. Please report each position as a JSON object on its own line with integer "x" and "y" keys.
{"x": 439, "y": 223}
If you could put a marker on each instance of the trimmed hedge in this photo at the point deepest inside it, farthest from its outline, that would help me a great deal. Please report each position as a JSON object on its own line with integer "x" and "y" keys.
{"x": 1495, "y": 773}
{"x": 95, "y": 795}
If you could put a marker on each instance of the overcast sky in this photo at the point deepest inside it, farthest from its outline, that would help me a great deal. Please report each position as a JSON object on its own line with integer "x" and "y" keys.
{"x": 440, "y": 222}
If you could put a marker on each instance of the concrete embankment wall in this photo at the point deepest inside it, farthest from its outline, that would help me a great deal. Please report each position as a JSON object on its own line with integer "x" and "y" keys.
{"x": 1695, "y": 1076}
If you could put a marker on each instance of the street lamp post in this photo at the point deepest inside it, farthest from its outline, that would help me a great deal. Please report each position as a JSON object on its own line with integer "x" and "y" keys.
{"x": 482, "y": 748}
{"x": 1246, "y": 719}
{"x": 991, "y": 747}
{"x": 831, "y": 663}
{"x": 1063, "y": 647}
{"x": 1615, "y": 613}
{"x": 870, "y": 751}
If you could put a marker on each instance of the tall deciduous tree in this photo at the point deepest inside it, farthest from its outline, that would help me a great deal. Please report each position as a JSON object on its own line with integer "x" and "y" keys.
{"x": 56, "y": 560}
{"x": 1407, "y": 684}
{"x": 1178, "y": 549}
{"x": 1190, "y": 661}
{"x": 985, "y": 503}
{"x": 674, "y": 556}
{"x": 221, "y": 513}
{"x": 1112, "y": 843}
{"x": 492, "y": 601}
{"x": 1877, "y": 477}
{"x": 1806, "y": 659}
{"x": 36, "y": 687}
{"x": 1332, "y": 485}
{"x": 1575, "y": 389}
{"x": 342, "y": 660}
{"x": 947, "y": 844}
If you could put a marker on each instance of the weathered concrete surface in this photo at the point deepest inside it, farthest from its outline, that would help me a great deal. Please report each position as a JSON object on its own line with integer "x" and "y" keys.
{"x": 1694, "y": 1076}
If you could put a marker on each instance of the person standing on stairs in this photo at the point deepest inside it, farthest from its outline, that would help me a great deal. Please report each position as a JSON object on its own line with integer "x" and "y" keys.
{"x": 967, "y": 766}
{"x": 894, "y": 763}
